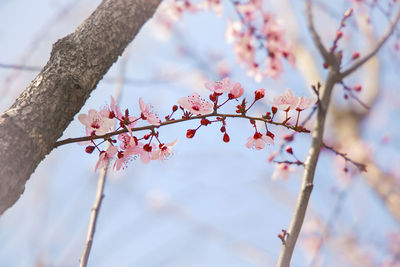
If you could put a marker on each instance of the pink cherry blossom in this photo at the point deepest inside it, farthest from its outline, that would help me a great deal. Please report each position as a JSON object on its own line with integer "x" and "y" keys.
{"x": 304, "y": 103}
{"x": 195, "y": 104}
{"x": 111, "y": 110}
{"x": 258, "y": 141}
{"x": 244, "y": 49}
{"x": 273, "y": 67}
{"x": 236, "y": 91}
{"x": 147, "y": 114}
{"x": 220, "y": 87}
{"x": 283, "y": 171}
{"x": 286, "y": 101}
{"x": 164, "y": 152}
{"x": 214, "y": 5}
{"x": 145, "y": 152}
{"x": 105, "y": 156}
{"x": 248, "y": 11}
{"x": 123, "y": 157}
{"x": 127, "y": 141}
{"x": 95, "y": 122}
{"x": 232, "y": 30}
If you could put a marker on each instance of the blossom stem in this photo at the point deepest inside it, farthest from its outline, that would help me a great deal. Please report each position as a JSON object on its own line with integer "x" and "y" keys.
{"x": 250, "y": 105}
{"x": 226, "y": 101}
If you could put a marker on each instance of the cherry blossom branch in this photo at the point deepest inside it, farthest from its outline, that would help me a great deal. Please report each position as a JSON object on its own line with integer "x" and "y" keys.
{"x": 169, "y": 122}
{"x": 93, "y": 216}
{"x": 378, "y": 46}
{"x": 359, "y": 166}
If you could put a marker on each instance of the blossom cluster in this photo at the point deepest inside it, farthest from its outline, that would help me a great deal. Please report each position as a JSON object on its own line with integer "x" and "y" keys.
{"x": 127, "y": 146}
{"x": 255, "y": 31}
{"x": 258, "y": 29}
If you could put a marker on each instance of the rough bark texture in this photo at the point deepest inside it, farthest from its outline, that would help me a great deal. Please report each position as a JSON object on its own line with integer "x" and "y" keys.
{"x": 29, "y": 129}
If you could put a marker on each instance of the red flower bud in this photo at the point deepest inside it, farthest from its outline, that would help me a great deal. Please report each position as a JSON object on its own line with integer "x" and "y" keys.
{"x": 226, "y": 138}
{"x": 111, "y": 115}
{"x": 205, "y": 122}
{"x": 357, "y": 88}
{"x": 288, "y": 137}
{"x": 355, "y": 55}
{"x": 190, "y": 133}
{"x": 260, "y": 93}
{"x": 325, "y": 65}
{"x": 289, "y": 150}
{"x": 274, "y": 110}
{"x": 222, "y": 129}
{"x": 147, "y": 148}
{"x": 89, "y": 149}
{"x": 213, "y": 97}
{"x": 174, "y": 108}
{"x": 270, "y": 134}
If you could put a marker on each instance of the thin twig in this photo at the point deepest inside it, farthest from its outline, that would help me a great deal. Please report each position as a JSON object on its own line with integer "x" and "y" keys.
{"x": 102, "y": 179}
{"x": 317, "y": 40}
{"x": 93, "y": 217}
{"x": 359, "y": 166}
{"x": 380, "y": 43}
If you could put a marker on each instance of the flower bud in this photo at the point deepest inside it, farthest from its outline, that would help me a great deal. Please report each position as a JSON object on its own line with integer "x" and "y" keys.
{"x": 89, "y": 149}
{"x": 226, "y": 138}
{"x": 190, "y": 133}
{"x": 260, "y": 93}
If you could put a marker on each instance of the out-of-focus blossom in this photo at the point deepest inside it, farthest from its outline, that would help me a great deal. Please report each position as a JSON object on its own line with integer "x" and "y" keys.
{"x": 283, "y": 171}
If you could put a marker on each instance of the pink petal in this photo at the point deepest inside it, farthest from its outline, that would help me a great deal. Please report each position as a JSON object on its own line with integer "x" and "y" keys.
{"x": 250, "y": 142}
{"x": 259, "y": 143}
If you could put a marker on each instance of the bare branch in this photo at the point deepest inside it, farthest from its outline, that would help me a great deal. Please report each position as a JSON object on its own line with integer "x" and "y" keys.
{"x": 378, "y": 46}
{"x": 360, "y": 166}
{"x": 308, "y": 176}
{"x": 317, "y": 40}
{"x": 93, "y": 216}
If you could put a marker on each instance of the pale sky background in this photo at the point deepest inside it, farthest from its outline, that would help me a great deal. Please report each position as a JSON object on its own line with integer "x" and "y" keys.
{"x": 211, "y": 204}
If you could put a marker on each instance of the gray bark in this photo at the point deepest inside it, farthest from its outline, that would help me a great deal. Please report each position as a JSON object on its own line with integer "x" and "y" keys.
{"x": 29, "y": 129}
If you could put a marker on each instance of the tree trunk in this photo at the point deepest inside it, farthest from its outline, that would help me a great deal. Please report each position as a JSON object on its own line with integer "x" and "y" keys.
{"x": 29, "y": 129}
